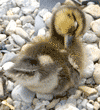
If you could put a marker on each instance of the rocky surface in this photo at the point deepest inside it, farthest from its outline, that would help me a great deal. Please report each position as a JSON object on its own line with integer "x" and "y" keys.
{"x": 20, "y": 22}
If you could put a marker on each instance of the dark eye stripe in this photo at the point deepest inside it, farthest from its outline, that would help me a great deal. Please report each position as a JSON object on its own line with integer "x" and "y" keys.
{"x": 75, "y": 21}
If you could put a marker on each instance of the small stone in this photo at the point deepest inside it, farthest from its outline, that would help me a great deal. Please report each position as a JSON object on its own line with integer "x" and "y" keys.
{"x": 98, "y": 99}
{"x": 22, "y": 3}
{"x": 41, "y": 32}
{"x": 17, "y": 105}
{"x": 90, "y": 81}
{"x": 27, "y": 26}
{"x": 27, "y": 19}
{"x": 98, "y": 89}
{"x": 61, "y": 103}
{"x": 7, "y": 65}
{"x": 91, "y": 102}
{"x": 35, "y": 13}
{"x": 10, "y": 86}
{"x": 96, "y": 27}
{"x": 79, "y": 101}
{"x": 9, "y": 47}
{"x": 11, "y": 27}
{"x": 84, "y": 102}
{"x": 71, "y": 100}
{"x": 39, "y": 23}
{"x": 35, "y": 4}
{"x": 1, "y": 30}
{"x": 79, "y": 107}
{"x": 44, "y": 96}
{"x": 96, "y": 73}
{"x": 25, "y": 106}
{"x": 18, "y": 22}
{"x": 82, "y": 81}
{"x": 28, "y": 9}
{"x": 9, "y": 12}
{"x": 5, "y": 23}
{"x": 1, "y": 69}
{"x": 93, "y": 10}
{"x": 1, "y": 88}
{"x": 89, "y": 106}
{"x": 35, "y": 101}
{"x": 4, "y": 107}
{"x": 96, "y": 105}
{"x": 89, "y": 19}
{"x": 67, "y": 107}
{"x": 77, "y": 94}
{"x": 22, "y": 33}
{"x": 48, "y": 22}
{"x": 83, "y": 109}
{"x": 90, "y": 37}
{"x": 2, "y": 37}
{"x": 15, "y": 10}
{"x": 88, "y": 90}
{"x": 93, "y": 97}
{"x": 20, "y": 93}
{"x": 46, "y": 16}
{"x": 90, "y": 3}
{"x": 10, "y": 17}
{"x": 52, "y": 104}
{"x": 43, "y": 12}
{"x": 10, "y": 101}
{"x": 41, "y": 105}
{"x": 16, "y": 47}
{"x": 88, "y": 67}
{"x": 30, "y": 32}
{"x": 19, "y": 40}
{"x": 94, "y": 51}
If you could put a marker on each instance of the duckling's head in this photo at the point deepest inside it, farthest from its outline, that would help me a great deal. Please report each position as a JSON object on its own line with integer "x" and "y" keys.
{"x": 67, "y": 21}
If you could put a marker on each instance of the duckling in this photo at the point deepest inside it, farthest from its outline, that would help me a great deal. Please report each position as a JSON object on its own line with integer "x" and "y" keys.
{"x": 41, "y": 67}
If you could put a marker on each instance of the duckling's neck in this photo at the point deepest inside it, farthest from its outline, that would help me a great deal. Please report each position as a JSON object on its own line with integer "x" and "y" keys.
{"x": 58, "y": 40}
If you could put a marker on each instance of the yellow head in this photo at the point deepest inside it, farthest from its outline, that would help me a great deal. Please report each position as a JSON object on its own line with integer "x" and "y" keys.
{"x": 69, "y": 21}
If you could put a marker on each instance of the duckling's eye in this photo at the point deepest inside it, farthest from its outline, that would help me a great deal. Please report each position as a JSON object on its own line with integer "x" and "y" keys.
{"x": 33, "y": 62}
{"x": 69, "y": 15}
{"x": 30, "y": 61}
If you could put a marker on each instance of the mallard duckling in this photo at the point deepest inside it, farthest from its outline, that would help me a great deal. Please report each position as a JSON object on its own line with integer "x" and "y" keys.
{"x": 41, "y": 67}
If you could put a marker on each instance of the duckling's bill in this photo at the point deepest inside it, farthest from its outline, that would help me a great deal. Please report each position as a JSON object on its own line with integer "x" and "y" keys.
{"x": 67, "y": 40}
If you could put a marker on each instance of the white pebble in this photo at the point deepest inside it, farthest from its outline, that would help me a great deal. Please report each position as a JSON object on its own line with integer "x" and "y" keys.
{"x": 2, "y": 37}
{"x": 21, "y": 93}
{"x": 11, "y": 27}
{"x": 22, "y": 33}
{"x": 84, "y": 103}
{"x": 19, "y": 40}
{"x": 44, "y": 96}
{"x": 7, "y": 65}
{"x": 47, "y": 15}
{"x": 15, "y": 10}
{"x": 89, "y": 106}
{"x": 43, "y": 11}
{"x": 41, "y": 32}
{"x": 10, "y": 85}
